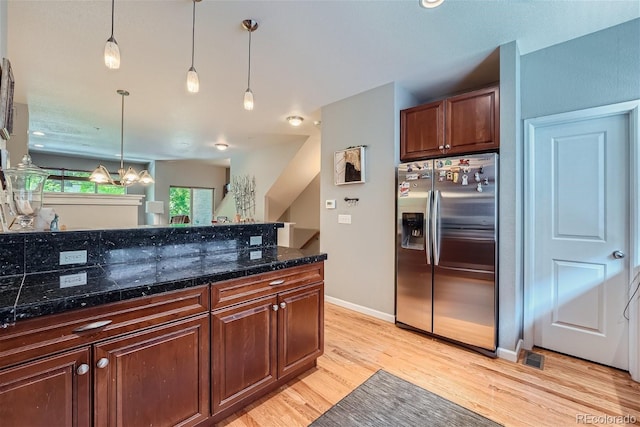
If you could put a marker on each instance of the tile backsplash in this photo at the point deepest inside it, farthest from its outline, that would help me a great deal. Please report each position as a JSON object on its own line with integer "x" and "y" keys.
{"x": 35, "y": 252}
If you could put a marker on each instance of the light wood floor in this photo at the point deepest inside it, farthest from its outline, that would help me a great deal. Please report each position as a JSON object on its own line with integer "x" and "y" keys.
{"x": 510, "y": 393}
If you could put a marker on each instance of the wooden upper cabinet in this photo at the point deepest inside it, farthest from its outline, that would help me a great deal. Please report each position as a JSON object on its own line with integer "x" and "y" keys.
{"x": 461, "y": 124}
{"x": 473, "y": 121}
{"x": 421, "y": 131}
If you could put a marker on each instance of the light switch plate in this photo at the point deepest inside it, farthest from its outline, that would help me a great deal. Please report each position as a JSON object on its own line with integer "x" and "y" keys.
{"x": 73, "y": 257}
{"x": 330, "y": 204}
{"x": 344, "y": 219}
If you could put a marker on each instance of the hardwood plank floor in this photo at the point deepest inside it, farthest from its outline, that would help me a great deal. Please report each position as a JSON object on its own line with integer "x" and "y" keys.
{"x": 356, "y": 346}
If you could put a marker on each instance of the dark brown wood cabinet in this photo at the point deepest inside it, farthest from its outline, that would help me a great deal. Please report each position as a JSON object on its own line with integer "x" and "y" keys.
{"x": 421, "y": 131}
{"x": 54, "y": 390}
{"x": 183, "y": 358}
{"x": 157, "y": 377}
{"x": 259, "y": 344}
{"x": 300, "y": 327}
{"x": 466, "y": 123}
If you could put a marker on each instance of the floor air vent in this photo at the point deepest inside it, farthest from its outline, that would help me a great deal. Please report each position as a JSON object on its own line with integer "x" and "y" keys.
{"x": 533, "y": 359}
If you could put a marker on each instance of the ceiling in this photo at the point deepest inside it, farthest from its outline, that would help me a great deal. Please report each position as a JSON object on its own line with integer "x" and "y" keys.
{"x": 305, "y": 55}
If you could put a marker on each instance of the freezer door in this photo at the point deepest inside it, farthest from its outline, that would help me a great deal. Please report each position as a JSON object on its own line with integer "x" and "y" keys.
{"x": 465, "y": 248}
{"x": 464, "y": 306}
{"x": 413, "y": 268}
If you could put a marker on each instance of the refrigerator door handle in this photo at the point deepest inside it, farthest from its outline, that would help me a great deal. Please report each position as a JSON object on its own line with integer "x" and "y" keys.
{"x": 434, "y": 227}
{"x": 427, "y": 237}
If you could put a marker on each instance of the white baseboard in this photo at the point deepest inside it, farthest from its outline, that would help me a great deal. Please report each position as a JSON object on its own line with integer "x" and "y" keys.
{"x": 361, "y": 309}
{"x": 510, "y": 355}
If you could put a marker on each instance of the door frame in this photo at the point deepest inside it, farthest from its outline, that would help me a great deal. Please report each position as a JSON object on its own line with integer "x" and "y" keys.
{"x": 632, "y": 110}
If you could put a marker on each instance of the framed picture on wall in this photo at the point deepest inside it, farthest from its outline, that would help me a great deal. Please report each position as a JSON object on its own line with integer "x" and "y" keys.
{"x": 6, "y": 99}
{"x": 349, "y": 166}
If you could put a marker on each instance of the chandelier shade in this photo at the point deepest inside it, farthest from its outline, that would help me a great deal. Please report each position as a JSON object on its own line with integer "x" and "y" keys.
{"x": 127, "y": 177}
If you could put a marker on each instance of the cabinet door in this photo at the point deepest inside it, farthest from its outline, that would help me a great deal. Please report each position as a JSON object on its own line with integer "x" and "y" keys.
{"x": 157, "y": 377}
{"x": 300, "y": 327}
{"x": 473, "y": 122}
{"x": 243, "y": 350}
{"x": 421, "y": 131}
{"x": 54, "y": 391}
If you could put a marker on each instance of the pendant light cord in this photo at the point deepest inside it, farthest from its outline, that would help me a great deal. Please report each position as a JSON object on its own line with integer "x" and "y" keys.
{"x": 249, "y": 73}
{"x": 122, "y": 134}
{"x": 193, "y": 32}
{"x": 113, "y": 2}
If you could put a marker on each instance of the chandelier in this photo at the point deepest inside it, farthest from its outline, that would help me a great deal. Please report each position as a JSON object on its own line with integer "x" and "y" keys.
{"x": 127, "y": 177}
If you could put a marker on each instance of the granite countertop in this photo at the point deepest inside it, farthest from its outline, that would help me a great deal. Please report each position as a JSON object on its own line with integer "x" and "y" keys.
{"x": 25, "y": 296}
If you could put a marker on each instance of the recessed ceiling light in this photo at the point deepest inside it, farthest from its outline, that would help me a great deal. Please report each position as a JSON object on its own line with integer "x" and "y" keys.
{"x": 38, "y": 145}
{"x": 37, "y": 133}
{"x": 430, "y": 4}
{"x": 295, "y": 120}
{"x": 221, "y": 146}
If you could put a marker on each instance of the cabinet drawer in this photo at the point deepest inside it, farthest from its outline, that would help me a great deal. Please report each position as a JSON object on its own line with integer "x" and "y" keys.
{"x": 33, "y": 338}
{"x": 235, "y": 291}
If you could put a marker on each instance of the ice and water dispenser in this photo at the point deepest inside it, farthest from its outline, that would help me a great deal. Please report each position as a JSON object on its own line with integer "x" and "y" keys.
{"x": 413, "y": 230}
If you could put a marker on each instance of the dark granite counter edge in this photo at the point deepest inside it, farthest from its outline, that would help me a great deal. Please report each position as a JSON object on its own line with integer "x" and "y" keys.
{"x": 8, "y": 317}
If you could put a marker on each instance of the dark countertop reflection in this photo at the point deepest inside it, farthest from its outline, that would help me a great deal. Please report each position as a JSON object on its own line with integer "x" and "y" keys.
{"x": 26, "y": 296}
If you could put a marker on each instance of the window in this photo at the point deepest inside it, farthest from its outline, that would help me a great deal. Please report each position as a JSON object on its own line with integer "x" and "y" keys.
{"x": 194, "y": 202}
{"x": 77, "y": 181}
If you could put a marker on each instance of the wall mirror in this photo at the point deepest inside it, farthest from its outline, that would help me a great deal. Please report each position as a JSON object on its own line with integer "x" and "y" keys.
{"x": 349, "y": 166}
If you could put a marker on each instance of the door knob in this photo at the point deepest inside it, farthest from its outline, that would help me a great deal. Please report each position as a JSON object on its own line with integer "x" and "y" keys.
{"x": 618, "y": 254}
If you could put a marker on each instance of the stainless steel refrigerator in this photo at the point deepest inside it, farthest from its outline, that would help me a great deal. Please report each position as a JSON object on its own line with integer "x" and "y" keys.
{"x": 447, "y": 248}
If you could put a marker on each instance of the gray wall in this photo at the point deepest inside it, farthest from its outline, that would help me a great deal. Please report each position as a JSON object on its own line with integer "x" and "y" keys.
{"x": 360, "y": 268}
{"x": 598, "y": 69}
{"x": 510, "y": 217}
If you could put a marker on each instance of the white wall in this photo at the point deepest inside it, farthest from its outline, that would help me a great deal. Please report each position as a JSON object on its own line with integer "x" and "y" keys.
{"x": 266, "y": 164}
{"x": 183, "y": 173}
{"x": 360, "y": 268}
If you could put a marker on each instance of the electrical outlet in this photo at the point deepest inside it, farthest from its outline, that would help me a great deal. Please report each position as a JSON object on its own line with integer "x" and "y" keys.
{"x": 344, "y": 219}
{"x": 255, "y": 240}
{"x": 330, "y": 204}
{"x": 255, "y": 255}
{"x": 73, "y": 257}
{"x": 71, "y": 280}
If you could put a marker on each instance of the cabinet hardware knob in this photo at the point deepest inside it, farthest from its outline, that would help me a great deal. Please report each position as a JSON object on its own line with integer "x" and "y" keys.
{"x": 102, "y": 363}
{"x": 92, "y": 325}
{"x": 276, "y": 282}
{"x": 283, "y": 304}
{"x": 441, "y": 147}
{"x": 82, "y": 369}
{"x": 275, "y": 307}
{"x": 447, "y": 146}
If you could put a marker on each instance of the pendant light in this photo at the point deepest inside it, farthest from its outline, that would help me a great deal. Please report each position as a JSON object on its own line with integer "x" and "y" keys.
{"x": 250, "y": 25}
{"x": 111, "y": 49}
{"x": 193, "y": 83}
{"x": 430, "y": 4}
{"x": 127, "y": 177}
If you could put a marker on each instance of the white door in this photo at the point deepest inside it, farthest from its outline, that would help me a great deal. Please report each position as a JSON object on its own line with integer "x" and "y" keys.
{"x": 581, "y": 238}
